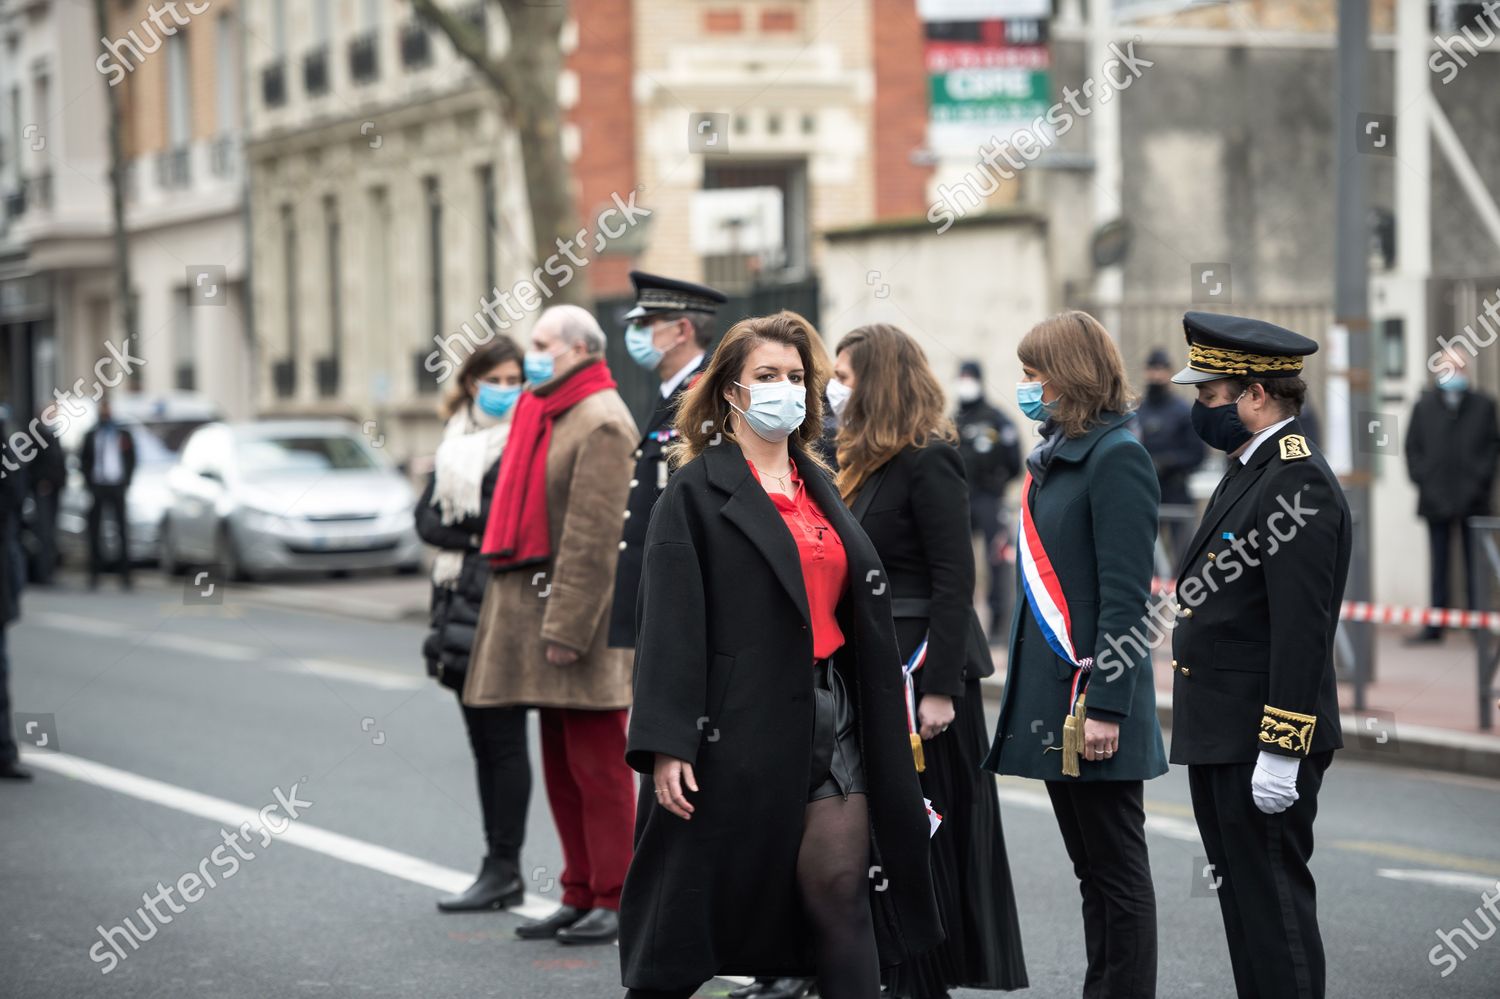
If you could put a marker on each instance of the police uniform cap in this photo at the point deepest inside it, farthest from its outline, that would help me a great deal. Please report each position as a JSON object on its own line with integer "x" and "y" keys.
{"x": 1222, "y": 346}
{"x": 656, "y": 295}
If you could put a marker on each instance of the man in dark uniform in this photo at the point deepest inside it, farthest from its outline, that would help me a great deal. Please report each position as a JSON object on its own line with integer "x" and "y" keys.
{"x": 1166, "y": 423}
{"x": 671, "y": 328}
{"x": 991, "y": 450}
{"x": 1255, "y": 710}
{"x": 12, "y": 487}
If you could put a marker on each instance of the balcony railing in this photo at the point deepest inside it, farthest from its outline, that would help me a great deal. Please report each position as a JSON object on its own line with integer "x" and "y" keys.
{"x": 224, "y": 156}
{"x": 173, "y": 169}
{"x": 315, "y": 72}
{"x": 364, "y": 57}
{"x": 416, "y": 46}
{"x": 273, "y": 84}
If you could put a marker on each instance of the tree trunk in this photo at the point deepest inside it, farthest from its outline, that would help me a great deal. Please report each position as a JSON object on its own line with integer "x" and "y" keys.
{"x": 526, "y": 79}
{"x": 117, "y": 185}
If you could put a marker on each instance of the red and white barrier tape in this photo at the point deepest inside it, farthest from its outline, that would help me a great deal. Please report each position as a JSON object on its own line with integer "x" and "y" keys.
{"x": 1361, "y": 612}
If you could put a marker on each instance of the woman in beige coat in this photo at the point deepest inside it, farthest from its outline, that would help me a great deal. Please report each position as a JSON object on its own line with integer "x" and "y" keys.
{"x": 542, "y": 639}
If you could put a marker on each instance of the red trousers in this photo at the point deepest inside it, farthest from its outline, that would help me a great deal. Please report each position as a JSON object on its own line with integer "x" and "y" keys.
{"x": 592, "y": 793}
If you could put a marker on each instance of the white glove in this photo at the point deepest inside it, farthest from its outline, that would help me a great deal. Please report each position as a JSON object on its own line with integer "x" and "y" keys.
{"x": 1274, "y": 784}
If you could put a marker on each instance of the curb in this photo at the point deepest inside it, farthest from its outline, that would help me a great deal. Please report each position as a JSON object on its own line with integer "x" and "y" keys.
{"x": 1413, "y": 746}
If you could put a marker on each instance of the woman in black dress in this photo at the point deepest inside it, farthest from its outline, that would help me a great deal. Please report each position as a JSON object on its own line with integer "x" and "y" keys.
{"x": 451, "y": 516}
{"x": 780, "y": 829}
{"x": 904, "y": 478}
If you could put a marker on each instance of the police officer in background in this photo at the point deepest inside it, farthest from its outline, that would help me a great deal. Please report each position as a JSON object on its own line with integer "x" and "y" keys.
{"x": 1255, "y": 707}
{"x": 1166, "y": 424}
{"x": 991, "y": 450}
{"x": 669, "y": 332}
{"x": 12, "y": 489}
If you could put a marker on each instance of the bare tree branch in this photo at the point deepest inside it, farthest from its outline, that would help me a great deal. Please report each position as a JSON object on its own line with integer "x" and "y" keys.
{"x": 472, "y": 45}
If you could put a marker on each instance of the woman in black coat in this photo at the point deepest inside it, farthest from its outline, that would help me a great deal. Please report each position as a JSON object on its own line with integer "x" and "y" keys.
{"x": 782, "y": 831}
{"x": 904, "y": 478}
{"x": 451, "y": 517}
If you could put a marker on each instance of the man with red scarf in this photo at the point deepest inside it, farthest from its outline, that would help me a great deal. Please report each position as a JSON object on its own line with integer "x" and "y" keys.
{"x": 542, "y": 636}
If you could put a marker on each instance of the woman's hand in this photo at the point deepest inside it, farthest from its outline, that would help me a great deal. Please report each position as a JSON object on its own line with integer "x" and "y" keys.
{"x": 934, "y": 714}
{"x": 670, "y": 774}
{"x": 1100, "y": 738}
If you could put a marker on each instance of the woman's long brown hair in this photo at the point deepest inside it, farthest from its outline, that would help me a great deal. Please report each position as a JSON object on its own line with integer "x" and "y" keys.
{"x": 703, "y": 414}
{"x": 897, "y": 401}
{"x": 1074, "y": 352}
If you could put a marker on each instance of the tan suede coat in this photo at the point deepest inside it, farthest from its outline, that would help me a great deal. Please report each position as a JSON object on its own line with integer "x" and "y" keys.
{"x": 566, "y": 600}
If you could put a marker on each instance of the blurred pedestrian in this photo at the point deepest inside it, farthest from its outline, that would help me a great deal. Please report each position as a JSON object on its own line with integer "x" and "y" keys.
{"x": 768, "y": 711}
{"x": 991, "y": 451}
{"x": 12, "y": 486}
{"x": 1452, "y": 444}
{"x": 1166, "y": 424}
{"x": 671, "y": 328}
{"x": 108, "y": 461}
{"x": 1255, "y": 706}
{"x": 47, "y": 476}
{"x": 451, "y": 517}
{"x": 1077, "y": 712}
{"x": 904, "y": 480}
{"x": 552, "y": 536}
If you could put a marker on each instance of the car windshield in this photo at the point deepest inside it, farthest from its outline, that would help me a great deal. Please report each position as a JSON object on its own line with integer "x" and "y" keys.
{"x": 260, "y": 455}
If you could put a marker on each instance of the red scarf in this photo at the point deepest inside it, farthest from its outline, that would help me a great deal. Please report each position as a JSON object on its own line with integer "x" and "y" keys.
{"x": 517, "y": 533}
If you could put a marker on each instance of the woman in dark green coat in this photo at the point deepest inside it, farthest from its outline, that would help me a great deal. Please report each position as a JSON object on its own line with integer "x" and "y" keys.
{"x": 1079, "y": 674}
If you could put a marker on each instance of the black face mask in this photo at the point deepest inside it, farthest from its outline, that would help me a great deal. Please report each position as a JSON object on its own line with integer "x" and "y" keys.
{"x": 1220, "y": 426}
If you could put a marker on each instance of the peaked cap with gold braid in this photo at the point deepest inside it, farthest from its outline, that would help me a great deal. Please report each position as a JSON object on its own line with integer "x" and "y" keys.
{"x": 1225, "y": 346}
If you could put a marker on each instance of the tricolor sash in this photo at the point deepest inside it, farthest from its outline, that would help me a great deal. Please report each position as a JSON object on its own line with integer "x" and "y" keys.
{"x": 1049, "y": 605}
{"x": 1044, "y": 592}
{"x": 913, "y": 664}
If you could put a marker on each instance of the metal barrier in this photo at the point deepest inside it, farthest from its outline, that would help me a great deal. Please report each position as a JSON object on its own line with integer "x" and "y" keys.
{"x": 1484, "y": 584}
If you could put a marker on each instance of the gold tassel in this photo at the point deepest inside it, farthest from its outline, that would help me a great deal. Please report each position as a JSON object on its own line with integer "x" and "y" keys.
{"x": 1072, "y": 747}
{"x": 916, "y": 751}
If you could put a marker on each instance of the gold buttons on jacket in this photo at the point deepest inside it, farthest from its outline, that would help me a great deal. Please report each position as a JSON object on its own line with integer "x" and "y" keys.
{"x": 1186, "y": 671}
{"x": 1187, "y": 612}
{"x": 1211, "y": 556}
{"x": 638, "y": 452}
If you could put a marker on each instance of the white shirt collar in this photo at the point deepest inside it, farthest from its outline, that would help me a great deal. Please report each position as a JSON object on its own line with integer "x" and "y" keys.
{"x": 1255, "y": 441}
{"x": 670, "y": 385}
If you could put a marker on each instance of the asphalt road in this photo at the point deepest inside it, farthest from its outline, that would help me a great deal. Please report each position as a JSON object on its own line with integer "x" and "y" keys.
{"x": 167, "y": 722}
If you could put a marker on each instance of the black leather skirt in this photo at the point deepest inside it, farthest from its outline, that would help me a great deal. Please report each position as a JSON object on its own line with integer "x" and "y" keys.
{"x": 837, "y": 766}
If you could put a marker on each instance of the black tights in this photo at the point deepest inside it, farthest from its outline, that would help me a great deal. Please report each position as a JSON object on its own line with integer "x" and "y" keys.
{"x": 832, "y": 876}
{"x": 503, "y": 769}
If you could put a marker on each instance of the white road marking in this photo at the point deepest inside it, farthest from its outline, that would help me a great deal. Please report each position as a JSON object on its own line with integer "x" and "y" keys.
{"x": 1444, "y": 879}
{"x": 1162, "y": 825}
{"x": 229, "y": 651}
{"x": 300, "y": 833}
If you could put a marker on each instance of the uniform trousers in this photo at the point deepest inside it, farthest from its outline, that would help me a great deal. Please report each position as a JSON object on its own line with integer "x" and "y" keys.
{"x": 1266, "y": 892}
{"x": 592, "y": 793}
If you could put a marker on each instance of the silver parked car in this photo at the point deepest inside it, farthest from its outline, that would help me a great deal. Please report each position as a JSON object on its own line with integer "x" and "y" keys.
{"x": 287, "y": 496}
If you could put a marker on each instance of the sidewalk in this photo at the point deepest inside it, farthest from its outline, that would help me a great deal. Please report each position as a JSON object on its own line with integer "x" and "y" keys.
{"x": 1422, "y": 710}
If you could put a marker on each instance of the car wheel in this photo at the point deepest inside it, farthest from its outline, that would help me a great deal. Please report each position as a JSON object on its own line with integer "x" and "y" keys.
{"x": 227, "y": 554}
{"x": 171, "y": 565}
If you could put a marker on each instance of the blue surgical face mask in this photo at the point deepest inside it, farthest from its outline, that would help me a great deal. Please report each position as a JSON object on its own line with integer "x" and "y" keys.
{"x": 776, "y": 409}
{"x": 1029, "y": 400}
{"x": 496, "y": 400}
{"x": 1456, "y": 382}
{"x": 642, "y": 346}
{"x": 538, "y": 365}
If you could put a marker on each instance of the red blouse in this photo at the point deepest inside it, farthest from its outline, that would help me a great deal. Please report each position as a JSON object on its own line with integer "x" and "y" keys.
{"x": 825, "y": 567}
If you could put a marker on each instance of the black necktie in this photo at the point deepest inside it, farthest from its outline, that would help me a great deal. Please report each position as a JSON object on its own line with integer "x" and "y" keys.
{"x": 1235, "y": 466}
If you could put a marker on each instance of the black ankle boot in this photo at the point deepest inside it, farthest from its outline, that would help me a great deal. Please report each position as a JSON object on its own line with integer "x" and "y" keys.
{"x": 497, "y": 887}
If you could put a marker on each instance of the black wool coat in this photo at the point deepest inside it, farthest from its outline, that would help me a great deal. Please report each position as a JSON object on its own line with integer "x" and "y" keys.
{"x": 1451, "y": 454}
{"x": 454, "y": 613}
{"x": 915, "y": 509}
{"x": 1259, "y": 591}
{"x": 724, "y": 680}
